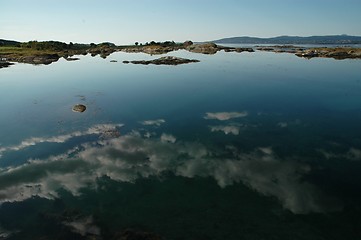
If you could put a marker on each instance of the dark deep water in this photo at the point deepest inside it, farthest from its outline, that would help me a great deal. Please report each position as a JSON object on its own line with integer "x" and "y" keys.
{"x": 238, "y": 146}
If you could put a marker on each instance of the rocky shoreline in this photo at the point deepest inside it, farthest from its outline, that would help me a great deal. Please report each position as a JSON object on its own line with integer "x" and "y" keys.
{"x": 36, "y": 57}
{"x": 338, "y": 53}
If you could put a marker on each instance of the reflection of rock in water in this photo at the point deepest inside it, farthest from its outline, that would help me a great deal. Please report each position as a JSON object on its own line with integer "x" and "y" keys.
{"x": 81, "y": 97}
{"x": 79, "y": 108}
{"x": 167, "y": 60}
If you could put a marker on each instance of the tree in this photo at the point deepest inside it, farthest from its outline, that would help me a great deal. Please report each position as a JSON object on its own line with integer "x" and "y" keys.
{"x": 136, "y": 43}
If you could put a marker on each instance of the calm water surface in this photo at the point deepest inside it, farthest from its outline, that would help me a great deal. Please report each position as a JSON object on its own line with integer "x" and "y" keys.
{"x": 238, "y": 146}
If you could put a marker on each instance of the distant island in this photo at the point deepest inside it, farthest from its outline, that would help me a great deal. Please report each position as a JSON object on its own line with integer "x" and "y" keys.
{"x": 331, "y": 39}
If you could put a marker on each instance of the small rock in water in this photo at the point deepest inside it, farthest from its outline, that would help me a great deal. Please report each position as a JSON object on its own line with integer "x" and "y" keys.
{"x": 79, "y": 108}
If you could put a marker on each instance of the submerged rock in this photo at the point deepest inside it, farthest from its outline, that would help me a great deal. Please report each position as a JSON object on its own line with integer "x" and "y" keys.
{"x": 168, "y": 60}
{"x": 79, "y": 108}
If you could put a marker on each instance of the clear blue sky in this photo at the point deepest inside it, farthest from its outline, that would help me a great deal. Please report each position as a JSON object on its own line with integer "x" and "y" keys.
{"x": 127, "y": 21}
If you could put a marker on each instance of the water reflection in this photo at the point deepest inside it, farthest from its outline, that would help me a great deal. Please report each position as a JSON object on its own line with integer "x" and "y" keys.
{"x": 223, "y": 116}
{"x": 104, "y": 130}
{"x": 227, "y": 129}
{"x": 208, "y": 151}
{"x": 131, "y": 156}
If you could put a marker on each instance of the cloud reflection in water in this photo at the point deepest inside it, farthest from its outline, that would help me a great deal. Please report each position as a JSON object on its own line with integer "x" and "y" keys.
{"x": 224, "y": 116}
{"x": 130, "y": 157}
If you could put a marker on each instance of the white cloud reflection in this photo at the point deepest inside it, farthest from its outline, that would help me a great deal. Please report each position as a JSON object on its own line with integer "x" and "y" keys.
{"x": 156, "y": 122}
{"x": 104, "y": 130}
{"x": 168, "y": 138}
{"x": 84, "y": 226}
{"x": 130, "y": 157}
{"x": 353, "y": 154}
{"x": 230, "y": 129}
{"x": 223, "y": 116}
{"x": 4, "y": 234}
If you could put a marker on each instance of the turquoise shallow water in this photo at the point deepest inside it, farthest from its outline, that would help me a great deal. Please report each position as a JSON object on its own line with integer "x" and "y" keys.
{"x": 238, "y": 146}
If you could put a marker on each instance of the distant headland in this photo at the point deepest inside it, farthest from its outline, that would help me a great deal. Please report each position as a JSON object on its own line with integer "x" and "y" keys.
{"x": 313, "y": 40}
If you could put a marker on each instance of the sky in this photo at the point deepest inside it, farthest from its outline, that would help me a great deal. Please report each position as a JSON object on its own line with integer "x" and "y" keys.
{"x": 128, "y": 21}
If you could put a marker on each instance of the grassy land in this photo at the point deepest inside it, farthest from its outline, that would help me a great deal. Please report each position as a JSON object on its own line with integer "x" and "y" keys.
{"x": 19, "y": 51}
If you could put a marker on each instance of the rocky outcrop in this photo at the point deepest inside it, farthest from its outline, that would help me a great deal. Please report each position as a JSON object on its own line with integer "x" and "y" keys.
{"x": 168, "y": 60}
{"x": 187, "y": 43}
{"x": 36, "y": 59}
{"x": 239, "y": 50}
{"x": 206, "y": 48}
{"x": 72, "y": 58}
{"x": 79, "y": 108}
{"x": 103, "y": 51}
{"x": 152, "y": 49}
{"x": 280, "y": 48}
{"x": 336, "y": 53}
{"x": 211, "y": 48}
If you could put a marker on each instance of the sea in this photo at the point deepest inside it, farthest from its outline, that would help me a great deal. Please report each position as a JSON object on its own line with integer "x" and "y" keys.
{"x": 238, "y": 146}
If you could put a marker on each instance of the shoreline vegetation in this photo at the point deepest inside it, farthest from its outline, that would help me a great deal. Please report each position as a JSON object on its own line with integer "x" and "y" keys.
{"x": 47, "y": 52}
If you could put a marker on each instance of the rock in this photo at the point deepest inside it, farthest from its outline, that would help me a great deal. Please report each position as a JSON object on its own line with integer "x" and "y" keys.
{"x": 79, "y": 108}
{"x": 338, "y": 53}
{"x": 126, "y": 62}
{"x": 103, "y": 51}
{"x": 239, "y": 50}
{"x": 211, "y": 48}
{"x": 113, "y": 61}
{"x": 307, "y": 54}
{"x": 36, "y": 59}
{"x": 151, "y": 49}
{"x": 168, "y": 60}
{"x": 187, "y": 43}
{"x": 206, "y": 48}
{"x": 233, "y": 49}
{"x": 267, "y": 49}
{"x": 72, "y": 59}
{"x": 5, "y": 64}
